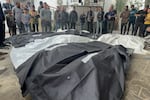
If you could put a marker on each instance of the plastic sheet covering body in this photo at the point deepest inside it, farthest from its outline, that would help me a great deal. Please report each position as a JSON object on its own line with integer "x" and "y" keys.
{"x": 75, "y": 71}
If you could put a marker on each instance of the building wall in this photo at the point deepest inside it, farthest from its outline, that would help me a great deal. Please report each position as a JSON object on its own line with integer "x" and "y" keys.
{"x": 108, "y": 3}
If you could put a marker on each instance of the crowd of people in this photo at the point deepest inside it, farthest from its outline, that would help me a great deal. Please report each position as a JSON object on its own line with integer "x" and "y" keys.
{"x": 25, "y": 18}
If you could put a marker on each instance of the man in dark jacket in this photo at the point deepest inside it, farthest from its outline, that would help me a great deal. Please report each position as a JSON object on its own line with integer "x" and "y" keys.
{"x": 2, "y": 26}
{"x": 57, "y": 18}
{"x": 132, "y": 19}
{"x": 82, "y": 20}
{"x": 110, "y": 18}
{"x": 64, "y": 18}
{"x": 73, "y": 18}
{"x": 90, "y": 17}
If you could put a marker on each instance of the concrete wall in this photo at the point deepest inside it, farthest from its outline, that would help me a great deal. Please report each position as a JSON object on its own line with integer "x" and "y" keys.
{"x": 108, "y": 3}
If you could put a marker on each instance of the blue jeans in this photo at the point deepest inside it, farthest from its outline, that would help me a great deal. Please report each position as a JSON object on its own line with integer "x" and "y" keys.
{"x": 27, "y": 27}
{"x": 20, "y": 27}
{"x": 57, "y": 26}
{"x": 99, "y": 27}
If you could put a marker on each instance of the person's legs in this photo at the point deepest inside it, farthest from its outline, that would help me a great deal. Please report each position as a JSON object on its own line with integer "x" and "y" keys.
{"x": 73, "y": 25}
{"x": 122, "y": 25}
{"x": 101, "y": 27}
{"x": 111, "y": 26}
{"x": 88, "y": 26}
{"x": 141, "y": 30}
{"x": 19, "y": 26}
{"x": 108, "y": 27}
{"x": 133, "y": 27}
{"x": 33, "y": 27}
{"x": 125, "y": 28}
{"x": 136, "y": 28}
{"x": 25, "y": 27}
{"x": 91, "y": 24}
{"x": 81, "y": 24}
{"x": 129, "y": 24}
{"x": 37, "y": 27}
{"x": 29, "y": 28}
{"x": 94, "y": 27}
{"x": 2, "y": 32}
{"x": 14, "y": 30}
{"x": 97, "y": 28}
{"x": 43, "y": 25}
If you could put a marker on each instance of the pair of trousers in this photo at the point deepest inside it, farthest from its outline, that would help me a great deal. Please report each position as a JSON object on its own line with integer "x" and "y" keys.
{"x": 12, "y": 30}
{"x": 140, "y": 27}
{"x": 110, "y": 26}
{"x": 133, "y": 26}
{"x": 123, "y": 28}
{"x": 46, "y": 26}
{"x": 73, "y": 26}
{"x": 99, "y": 27}
{"x": 20, "y": 26}
{"x": 35, "y": 27}
{"x": 27, "y": 27}
{"x": 57, "y": 26}
{"x": 2, "y": 32}
{"x": 90, "y": 26}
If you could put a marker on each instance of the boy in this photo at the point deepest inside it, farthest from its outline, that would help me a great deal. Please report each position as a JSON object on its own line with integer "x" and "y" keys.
{"x": 26, "y": 20}
{"x": 10, "y": 18}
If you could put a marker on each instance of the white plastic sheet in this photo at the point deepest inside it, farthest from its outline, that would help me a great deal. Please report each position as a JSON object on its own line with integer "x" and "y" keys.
{"x": 128, "y": 41}
{"x": 20, "y": 55}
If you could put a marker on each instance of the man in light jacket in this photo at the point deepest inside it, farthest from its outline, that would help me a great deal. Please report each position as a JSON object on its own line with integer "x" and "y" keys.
{"x": 45, "y": 15}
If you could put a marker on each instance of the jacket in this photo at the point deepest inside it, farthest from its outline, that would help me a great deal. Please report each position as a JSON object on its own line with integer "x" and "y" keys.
{"x": 132, "y": 16}
{"x": 125, "y": 16}
{"x": 73, "y": 17}
{"x": 100, "y": 16}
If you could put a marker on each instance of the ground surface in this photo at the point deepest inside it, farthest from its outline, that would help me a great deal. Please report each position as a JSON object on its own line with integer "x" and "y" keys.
{"x": 137, "y": 81}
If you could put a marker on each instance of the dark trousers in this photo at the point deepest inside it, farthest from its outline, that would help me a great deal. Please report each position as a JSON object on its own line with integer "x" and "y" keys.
{"x": 110, "y": 26}
{"x": 73, "y": 26}
{"x": 90, "y": 26}
{"x": 144, "y": 29}
{"x": 35, "y": 27}
{"x": 12, "y": 30}
{"x": 123, "y": 28}
{"x": 140, "y": 27}
{"x": 2, "y": 33}
{"x": 129, "y": 25}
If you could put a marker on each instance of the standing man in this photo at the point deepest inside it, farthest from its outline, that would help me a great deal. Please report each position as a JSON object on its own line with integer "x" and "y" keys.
{"x": 110, "y": 18}
{"x": 57, "y": 18}
{"x": 17, "y": 11}
{"x": 82, "y": 20}
{"x": 73, "y": 18}
{"x": 64, "y": 18}
{"x": 2, "y": 26}
{"x": 45, "y": 15}
{"x": 141, "y": 14}
{"x": 90, "y": 17}
{"x": 40, "y": 6}
{"x": 95, "y": 20}
{"x": 124, "y": 19}
{"x": 132, "y": 19}
{"x": 100, "y": 17}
